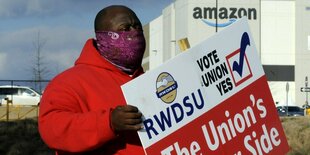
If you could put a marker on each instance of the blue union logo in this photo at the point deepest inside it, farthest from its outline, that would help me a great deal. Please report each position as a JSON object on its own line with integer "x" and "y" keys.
{"x": 166, "y": 87}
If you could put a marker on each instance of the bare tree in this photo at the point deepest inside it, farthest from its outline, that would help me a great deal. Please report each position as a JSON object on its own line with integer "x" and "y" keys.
{"x": 39, "y": 68}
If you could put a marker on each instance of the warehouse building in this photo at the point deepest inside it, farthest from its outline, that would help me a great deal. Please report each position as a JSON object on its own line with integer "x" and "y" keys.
{"x": 280, "y": 28}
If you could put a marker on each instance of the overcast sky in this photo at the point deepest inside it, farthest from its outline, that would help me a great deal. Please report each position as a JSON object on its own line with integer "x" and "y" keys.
{"x": 64, "y": 26}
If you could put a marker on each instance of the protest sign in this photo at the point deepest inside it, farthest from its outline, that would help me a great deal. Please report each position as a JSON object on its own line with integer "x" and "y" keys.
{"x": 212, "y": 99}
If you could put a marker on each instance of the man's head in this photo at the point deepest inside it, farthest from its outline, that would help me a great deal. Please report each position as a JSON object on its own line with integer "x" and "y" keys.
{"x": 116, "y": 18}
{"x": 120, "y": 38}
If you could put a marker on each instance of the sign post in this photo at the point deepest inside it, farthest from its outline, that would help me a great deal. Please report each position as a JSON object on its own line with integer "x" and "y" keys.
{"x": 306, "y": 89}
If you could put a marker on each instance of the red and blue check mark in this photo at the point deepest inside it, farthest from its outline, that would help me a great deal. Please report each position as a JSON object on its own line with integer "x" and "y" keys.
{"x": 238, "y": 63}
{"x": 245, "y": 41}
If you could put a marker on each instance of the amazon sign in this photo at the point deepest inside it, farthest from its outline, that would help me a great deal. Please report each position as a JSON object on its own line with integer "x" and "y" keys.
{"x": 206, "y": 17}
{"x": 206, "y": 14}
{"x": 222, "y": 13}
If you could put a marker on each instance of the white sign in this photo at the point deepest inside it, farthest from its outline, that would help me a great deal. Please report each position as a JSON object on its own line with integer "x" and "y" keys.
{"x": 209, "y": 100}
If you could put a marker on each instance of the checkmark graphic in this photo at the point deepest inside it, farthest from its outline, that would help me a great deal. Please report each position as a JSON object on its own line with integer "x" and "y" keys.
{"x": 245, "y": 41}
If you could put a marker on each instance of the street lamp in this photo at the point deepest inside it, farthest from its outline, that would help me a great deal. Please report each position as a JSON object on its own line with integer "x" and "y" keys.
{"x": 287, "y": 89}
{"x": 306, "y": 84}
{"x": 216, "y": 19}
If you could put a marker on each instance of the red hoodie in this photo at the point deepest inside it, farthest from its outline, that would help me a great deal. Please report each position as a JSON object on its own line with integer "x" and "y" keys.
{"x": 75, "y": 108}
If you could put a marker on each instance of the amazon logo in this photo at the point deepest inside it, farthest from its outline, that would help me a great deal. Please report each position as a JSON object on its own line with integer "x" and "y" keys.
{"x": 207, "y": 14}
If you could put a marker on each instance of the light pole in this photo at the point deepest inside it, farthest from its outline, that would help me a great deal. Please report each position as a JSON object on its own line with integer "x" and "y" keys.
{"x": 287, "y": 89}
{"x": 306, "y": 84}
{"x": 216, "y": 20}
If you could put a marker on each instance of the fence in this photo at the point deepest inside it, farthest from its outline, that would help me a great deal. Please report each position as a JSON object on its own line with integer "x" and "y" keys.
{"x": 19, "y": 98}
{"x": 11, "y": 112}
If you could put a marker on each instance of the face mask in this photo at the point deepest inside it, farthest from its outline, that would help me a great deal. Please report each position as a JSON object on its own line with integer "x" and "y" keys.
{"x": 123, "y": 49}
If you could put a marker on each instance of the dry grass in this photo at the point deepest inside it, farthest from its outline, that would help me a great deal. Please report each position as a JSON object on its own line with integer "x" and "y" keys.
{"x": 21, "y": 138}
{"x": 297, "y": 131}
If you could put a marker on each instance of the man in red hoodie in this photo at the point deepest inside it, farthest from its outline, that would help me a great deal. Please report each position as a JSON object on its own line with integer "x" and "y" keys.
{"x": 83, "y": 110}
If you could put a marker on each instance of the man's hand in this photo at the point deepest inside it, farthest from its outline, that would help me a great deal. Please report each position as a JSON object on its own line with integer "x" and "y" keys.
{"x": 126, "y": 118}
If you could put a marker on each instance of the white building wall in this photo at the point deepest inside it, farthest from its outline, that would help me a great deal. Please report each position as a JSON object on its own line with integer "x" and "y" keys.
{"x": 278, "y": 32}
{"x": 156, "y": 42}
{"x": 181, "y": 20}
{"x": 280, "y": 95}
{"x": 198, "y": 30}
{"x": 278, "y": 44}
{"x": 302, "y": 67}
{"x": 168, "y": 32}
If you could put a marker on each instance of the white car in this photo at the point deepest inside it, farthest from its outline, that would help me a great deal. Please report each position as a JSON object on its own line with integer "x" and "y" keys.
{"x": 19, "y": 95}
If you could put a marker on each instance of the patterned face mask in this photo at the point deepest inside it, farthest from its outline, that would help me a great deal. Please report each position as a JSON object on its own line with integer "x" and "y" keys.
{"x": 123, "y": 49}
